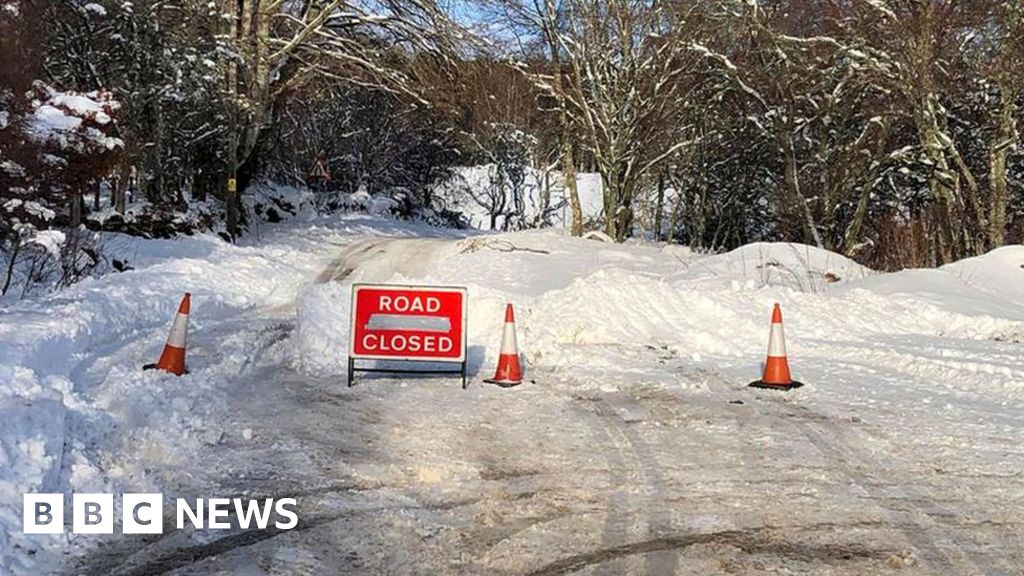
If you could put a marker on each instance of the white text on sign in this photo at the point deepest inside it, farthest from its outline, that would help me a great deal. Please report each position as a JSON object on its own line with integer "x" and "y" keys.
{"x": 403, "y": 343}
{"x": 427, "y": 304}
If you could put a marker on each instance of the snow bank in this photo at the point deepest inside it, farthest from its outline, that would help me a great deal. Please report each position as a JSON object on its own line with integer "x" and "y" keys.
{"x": 999, "y": 272}
{"x": 594, "y": 308}
{"x": 797, "y": 266}
{"x": 76, "y": 411}
{"x": 322, "y": 324}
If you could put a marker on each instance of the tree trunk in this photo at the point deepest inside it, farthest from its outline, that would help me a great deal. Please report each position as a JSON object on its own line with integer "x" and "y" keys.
{"x": 121, "y": 190}
{"x": 15, "y": 249}
{"x": 700, "y": 212}
{"x": 618, "y": 198}
{"x": 944, "y": 182}
{"x": 659, "y": 206}
{"x": 76, "y": 208}
{"x": 999, "y": 151}
{"x": 231, "y": 199}
{"x": 795, "y": 206}
{"x": 568, "y": 163}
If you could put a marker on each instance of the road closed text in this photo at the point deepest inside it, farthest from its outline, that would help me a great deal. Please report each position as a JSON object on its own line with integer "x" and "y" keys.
{"x": 383, "y": 343}
{"x": 408, "y": 323}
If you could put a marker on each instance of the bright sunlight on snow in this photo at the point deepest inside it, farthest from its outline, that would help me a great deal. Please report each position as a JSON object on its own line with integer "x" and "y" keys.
{"x": 634, "y": 442}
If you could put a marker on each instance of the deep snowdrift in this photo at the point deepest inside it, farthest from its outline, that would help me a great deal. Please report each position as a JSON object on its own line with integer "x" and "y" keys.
{"x": 574, "y": 295}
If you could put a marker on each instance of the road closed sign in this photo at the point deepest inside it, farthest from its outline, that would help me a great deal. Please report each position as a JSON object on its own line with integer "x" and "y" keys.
{"x": 413, "y": 323}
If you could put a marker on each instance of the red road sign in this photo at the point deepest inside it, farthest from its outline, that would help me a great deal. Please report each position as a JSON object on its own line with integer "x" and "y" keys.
{"x": 425, "y": 323}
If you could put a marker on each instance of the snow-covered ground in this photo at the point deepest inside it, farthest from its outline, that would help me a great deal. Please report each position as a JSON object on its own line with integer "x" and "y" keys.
{"x": 635, "y": 447}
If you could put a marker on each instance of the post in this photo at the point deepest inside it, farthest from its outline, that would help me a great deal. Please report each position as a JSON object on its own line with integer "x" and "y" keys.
{"x": 464, "y": 383}
{"x": 351, "y": 371}
{"x": 231, "y": 193}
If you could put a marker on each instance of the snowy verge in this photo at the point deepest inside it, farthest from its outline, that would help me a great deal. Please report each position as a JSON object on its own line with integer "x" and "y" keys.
{"x": 77, "y": 413}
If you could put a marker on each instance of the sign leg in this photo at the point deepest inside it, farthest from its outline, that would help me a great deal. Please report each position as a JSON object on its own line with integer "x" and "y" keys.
{"x": 464, "y": 383}
{"x": 351, "y": 371}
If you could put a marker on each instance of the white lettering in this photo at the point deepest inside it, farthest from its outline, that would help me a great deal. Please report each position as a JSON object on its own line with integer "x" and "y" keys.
{"x": 283, "y": 511}
{"x": 403, "y": 303}
{"x": 253, "y": 511}
{"x": 370, "y": 342}
{"x": 184, "y": 509}
{"x": 218, "y": 509}
{"x": 411, "y": 343}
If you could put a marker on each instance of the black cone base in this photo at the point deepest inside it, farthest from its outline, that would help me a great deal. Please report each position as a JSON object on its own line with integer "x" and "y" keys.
{"x": 503, "y": 383}
{"x": 782, "y": 387}
{"x": 153, "y": 366}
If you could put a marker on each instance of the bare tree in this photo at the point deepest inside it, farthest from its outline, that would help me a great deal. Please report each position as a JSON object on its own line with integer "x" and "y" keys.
{"x": 274, "y": 46}
{"x": 628, "y": 66}
{"x": 1002, "y": 63}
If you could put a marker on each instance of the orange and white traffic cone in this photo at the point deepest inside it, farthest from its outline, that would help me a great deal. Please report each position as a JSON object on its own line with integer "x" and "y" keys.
{"x": 508, "y": 373}
{"x": 173, "y": 358}
{"x": 776, "y": 367}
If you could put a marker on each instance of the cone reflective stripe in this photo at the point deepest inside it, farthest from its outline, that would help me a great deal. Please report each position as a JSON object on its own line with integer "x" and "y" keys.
{"x": 776, "y": 367}
{"x": 508, "y": 373}
{"x": 173, "y": 358}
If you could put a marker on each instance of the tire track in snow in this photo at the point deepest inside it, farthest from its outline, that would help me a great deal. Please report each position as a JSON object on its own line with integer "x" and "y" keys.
{"x": 763, "y": 540}
{"x": 917, "y": 524}
{"x": 605, "y": 421}
{"x": 167, "y": 561}
{"x": 614, "y": 454}
{"x": 660, "y": 522}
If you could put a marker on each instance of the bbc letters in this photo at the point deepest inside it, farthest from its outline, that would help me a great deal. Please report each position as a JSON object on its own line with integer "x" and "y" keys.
{"x": 144, "y": 513}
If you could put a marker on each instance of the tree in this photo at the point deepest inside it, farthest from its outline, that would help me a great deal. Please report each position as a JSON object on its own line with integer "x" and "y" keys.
{"x": 628, "y": 69}
{"x": 276, "y": 46}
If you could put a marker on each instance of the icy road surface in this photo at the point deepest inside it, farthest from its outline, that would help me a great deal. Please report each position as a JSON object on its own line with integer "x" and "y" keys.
{"x": 635, "y": 448}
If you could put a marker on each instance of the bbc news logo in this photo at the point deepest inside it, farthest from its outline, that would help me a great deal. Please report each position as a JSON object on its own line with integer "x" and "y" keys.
{"x": 144, "y": 513}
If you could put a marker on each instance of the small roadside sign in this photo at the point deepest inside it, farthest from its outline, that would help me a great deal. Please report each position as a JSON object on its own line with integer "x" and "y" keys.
{"x": 408, "y": 324}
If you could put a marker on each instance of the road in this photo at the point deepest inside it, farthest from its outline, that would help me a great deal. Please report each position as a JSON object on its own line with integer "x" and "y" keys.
{"x": 692, "y": 474}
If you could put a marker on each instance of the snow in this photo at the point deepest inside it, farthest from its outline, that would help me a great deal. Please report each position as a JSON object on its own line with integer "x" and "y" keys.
{"x": 882, "y": 7}
{"x": 59, "y": 118}
{"x": 1000, "y": 272}
{"x": 96, "y": 9}
{"x": 49, "y": 119}
{"x": 901, "y": 449}
{"x": 589, "y": 188}
{"x": 32, "y": 207}
{"x": 12, "y": 168}
{"x": 50, "y": 240}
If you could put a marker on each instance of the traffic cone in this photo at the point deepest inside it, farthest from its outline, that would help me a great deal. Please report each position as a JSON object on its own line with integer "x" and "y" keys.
{"x": 776, "y": 367}
{"x": 508, "y": 373}
{"x": 173, "y": 358}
